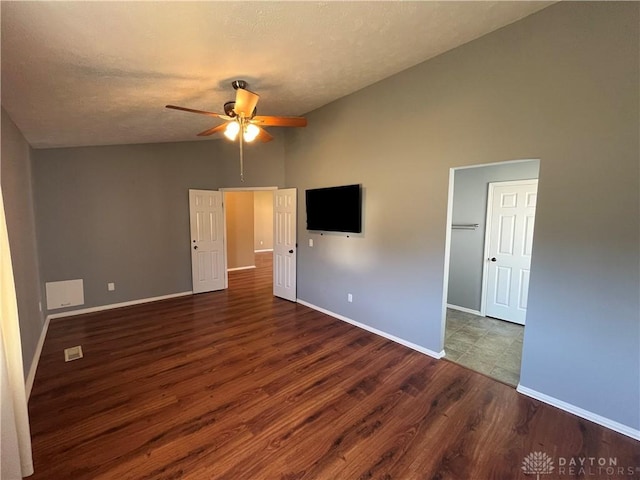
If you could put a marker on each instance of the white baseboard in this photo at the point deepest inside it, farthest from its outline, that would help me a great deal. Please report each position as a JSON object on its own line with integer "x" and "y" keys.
{"x": 82, "y": 311}
{"x": 580, "y": 412}
{"x": 240, "y": 268}
{"x": 464, "y": 309}
{"x": 31, "y": 376}
{"x": 386, "y": 335}
{"x": 264, "y": 250}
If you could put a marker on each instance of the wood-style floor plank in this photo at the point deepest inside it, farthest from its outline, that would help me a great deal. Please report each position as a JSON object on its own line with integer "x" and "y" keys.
{"x": 240, "y": 385}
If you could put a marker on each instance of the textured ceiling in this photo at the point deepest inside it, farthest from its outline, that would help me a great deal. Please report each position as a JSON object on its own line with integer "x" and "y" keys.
{"x": 99, "y": 73}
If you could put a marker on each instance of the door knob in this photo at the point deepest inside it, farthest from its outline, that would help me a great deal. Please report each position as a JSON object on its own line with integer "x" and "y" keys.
{"x": 493, "y": 259}
{"x": 290, "y": 251}
{"x": 195, "y": 247}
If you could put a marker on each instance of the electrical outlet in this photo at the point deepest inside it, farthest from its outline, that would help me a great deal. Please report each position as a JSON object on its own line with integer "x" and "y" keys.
{"x": 349, "y": 298}
{"x": 311, "y": 242}
{"x": 111, "y": 286}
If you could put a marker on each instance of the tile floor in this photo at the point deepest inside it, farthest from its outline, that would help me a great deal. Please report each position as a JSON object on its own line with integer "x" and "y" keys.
{"x": 483, "y": 344}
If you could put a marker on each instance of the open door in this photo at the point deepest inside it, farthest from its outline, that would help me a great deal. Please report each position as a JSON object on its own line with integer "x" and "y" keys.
{"x": 509, "y": 239}
{"x": 284, "y": 243}
{"x": 208, "y": 266}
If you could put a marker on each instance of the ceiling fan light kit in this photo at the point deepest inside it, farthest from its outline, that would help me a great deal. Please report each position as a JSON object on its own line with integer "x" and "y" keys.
{"x": 231, "y": 132}
{"x": 240, "y": 116}
{"x": 250, "y": 132}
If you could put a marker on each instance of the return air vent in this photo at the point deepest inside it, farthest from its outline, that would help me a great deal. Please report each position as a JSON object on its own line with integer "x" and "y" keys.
{"x": 73, "y": 353}
{"x": 67, "y": 293}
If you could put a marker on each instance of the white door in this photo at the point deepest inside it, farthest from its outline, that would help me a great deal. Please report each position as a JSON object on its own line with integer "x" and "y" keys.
{"x": 207, "y": 241}
{"x": 510, "y": 218}
{"x": 284, "y": 243}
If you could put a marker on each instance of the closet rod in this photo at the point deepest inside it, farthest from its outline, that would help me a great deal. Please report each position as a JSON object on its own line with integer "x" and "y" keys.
{"x": 465, "y": 226}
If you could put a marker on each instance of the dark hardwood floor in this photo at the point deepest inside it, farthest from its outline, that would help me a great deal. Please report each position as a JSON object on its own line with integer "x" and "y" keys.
{"x": 240, "y": 385}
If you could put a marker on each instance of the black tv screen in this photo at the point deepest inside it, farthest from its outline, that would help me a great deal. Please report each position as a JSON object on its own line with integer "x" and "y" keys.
{"x": 335, "y": 209}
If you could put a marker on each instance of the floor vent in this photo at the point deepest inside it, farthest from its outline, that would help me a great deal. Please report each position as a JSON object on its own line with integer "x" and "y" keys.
{"x": 73, "y": 353}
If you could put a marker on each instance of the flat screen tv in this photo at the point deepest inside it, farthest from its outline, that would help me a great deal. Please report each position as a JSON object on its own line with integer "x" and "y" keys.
{"x": 335, "y": 209}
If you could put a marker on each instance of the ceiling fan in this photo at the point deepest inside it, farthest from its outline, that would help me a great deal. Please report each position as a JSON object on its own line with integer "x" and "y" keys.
{"x": 242, "y": 121}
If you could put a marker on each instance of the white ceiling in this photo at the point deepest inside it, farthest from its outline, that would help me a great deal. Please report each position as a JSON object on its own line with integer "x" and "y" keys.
{"x": 99, "y": 73}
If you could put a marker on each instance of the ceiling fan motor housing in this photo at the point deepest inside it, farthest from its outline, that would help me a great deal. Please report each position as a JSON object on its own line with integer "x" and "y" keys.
{"x": 228, "y": 109}
{"x": 236, "y": 84}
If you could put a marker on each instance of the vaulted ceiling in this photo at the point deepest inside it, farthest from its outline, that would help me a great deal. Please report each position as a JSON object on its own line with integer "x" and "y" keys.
{"x": 99, "y": 73}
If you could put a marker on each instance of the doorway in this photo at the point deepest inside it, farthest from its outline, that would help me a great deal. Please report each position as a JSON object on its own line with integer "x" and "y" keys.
{"x": 270, "y": 233}
{"x": 488, "y": 345}
{"x": 249, "y": 227}
{"x": 269, "y": 228}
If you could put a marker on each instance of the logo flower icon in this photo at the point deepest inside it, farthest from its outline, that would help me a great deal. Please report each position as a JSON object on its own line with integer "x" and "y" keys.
{"x": 537, "y": 463}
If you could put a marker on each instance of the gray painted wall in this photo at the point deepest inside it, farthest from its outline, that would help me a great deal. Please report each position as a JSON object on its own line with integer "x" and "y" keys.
{"x": 560, "y": 85}
{"x": 17, "y": 193}
{"x": 121, "y": 213}
{"x": 466, "y": 256}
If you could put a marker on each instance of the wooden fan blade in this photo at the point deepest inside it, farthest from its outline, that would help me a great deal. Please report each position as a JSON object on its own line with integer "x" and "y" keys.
{"x": 246, "y": 102}
{"x": 268, "y": 121}
{"x": 213, "y": 130}
{"x": 191, "y": 110}
{"x": 264, "y": 136}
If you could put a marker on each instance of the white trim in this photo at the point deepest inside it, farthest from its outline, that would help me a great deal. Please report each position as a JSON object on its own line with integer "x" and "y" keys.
{"x": 493, "y": 164}
{"x": 464, "y": 309}
{"x": 388, "y": 336}
{"x": 31, "y": 376}
{"x": 447, "y": 256}
{"x": 264, "y": 250}
{"x": 580, "y": 412}
{"x": 243, "y": 189}
{"x": 72, "y": 313}
{"x": 225, "y": 257}
{"x": 240, "y": 268}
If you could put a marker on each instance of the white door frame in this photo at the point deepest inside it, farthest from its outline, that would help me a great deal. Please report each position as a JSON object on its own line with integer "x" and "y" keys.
{"x": 487, "y": 237}
{"x": 447, "y": 244}
{"x": 224, "y": 219}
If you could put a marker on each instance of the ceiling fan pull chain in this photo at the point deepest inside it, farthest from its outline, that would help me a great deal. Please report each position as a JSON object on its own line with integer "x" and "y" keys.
{"x": 241, "y": 158}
